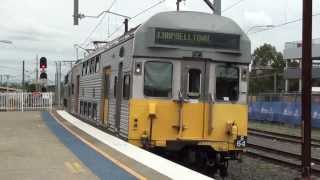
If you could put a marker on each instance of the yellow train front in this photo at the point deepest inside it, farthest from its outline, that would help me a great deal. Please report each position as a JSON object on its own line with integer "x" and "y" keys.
{"x": 177, "y": 82}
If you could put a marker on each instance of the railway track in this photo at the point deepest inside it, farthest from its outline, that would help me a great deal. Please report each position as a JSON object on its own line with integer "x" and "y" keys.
{"x": 281, "y": 137}
{"x": 282, "y": 157}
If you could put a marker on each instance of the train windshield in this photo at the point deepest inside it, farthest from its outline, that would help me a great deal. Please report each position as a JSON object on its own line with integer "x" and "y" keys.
{"x": 194, "y": 83}
{"x": 227, "y": 83}
{"x": 158, "y": 79}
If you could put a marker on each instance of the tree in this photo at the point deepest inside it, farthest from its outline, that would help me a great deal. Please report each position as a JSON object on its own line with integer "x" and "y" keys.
{"x": 267, "y": 68}
{"x": 267, "y": 55}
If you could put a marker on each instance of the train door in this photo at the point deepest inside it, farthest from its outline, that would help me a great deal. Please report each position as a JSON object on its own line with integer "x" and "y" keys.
{"x": 193, "y": 91}
{"x": 119, "y": 96}
{"x": 77, "y": 94}
{"x": 106, "y": 89}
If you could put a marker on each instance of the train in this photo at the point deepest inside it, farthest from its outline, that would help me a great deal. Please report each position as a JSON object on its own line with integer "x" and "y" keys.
{"x": 177, "y": 82}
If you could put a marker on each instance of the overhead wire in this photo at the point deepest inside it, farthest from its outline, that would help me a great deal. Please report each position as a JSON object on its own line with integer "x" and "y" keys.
{"x": 138, "y": 14}
{"x": 283, "y": 24}
{"x": 233, "y": 5}
{"x": 98, "y": 24}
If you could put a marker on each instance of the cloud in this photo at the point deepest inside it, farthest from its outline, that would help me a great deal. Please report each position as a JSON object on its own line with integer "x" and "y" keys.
{"x": 254, "y": 18}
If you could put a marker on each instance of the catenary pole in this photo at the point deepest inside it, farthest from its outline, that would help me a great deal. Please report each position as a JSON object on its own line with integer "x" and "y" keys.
{"x": 306, "y": 88}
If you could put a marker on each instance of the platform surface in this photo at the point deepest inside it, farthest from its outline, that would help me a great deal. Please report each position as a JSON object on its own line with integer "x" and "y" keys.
{"x": 34, "y": 146}
{"x": 29, "y": 150}
{"x": 144, "y": 163}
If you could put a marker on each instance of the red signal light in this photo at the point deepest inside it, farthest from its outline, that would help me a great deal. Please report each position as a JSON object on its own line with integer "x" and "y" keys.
{"x": 43, "y": 62}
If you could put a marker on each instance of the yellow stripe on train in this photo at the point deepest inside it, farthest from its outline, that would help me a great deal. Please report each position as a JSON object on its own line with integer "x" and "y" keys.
{"x": 165, "y": 121}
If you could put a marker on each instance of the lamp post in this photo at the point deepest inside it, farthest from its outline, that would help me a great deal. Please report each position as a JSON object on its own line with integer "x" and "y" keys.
{"x": 260, "y": 26}
{"x": 7, "y": 76}
{"x": 6, "y": 42}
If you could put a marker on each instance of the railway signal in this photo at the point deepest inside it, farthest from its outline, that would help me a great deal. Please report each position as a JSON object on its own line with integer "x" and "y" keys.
{"x": 43, "y": 75}
{"x": 43, "y": 62}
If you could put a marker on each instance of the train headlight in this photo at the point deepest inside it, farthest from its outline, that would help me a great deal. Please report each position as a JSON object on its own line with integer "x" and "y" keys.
{"x": 138, "y": 68}
{"x": 244, "y": 74}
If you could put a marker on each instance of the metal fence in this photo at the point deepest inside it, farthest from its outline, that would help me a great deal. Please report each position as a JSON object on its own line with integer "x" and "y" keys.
{"x": 21, "y": 101}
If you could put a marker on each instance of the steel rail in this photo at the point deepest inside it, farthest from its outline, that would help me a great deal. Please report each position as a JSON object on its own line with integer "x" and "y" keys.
{"x": 281, "y": 134}
{"x": 280, "y": 138}
{"x": 275, "y": 159}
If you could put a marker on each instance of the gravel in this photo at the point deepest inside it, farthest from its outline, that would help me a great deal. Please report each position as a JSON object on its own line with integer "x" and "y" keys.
{"x": 255, "y": 169}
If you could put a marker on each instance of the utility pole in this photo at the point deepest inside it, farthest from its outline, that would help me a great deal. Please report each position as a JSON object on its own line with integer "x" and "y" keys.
{"x": 275, "y": 82}
{"x": 58, "y": 85}
{"x": 37, "y": 74}
{"x": 7, "y": 83}
{"x": 23, "y": 75}
{"x": 178, "y": 4}
{"x": 217, "y": 5}
{"x": 306, "y": 88}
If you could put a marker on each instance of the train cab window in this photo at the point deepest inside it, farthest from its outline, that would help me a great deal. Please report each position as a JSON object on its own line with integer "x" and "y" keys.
{"x": 126, "y": 87}
{"x": 97, "y": 68}
{"x": 158, "y": 79}
{"x": 194, "y": 83}
{"x": 227, "y": 83}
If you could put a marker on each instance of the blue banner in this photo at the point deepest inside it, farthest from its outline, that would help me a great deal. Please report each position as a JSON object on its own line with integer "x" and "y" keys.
{"x": 282, "y": 112}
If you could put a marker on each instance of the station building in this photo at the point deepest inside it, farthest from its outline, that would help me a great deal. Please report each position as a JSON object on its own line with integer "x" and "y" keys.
{"x": 293, "y": 56}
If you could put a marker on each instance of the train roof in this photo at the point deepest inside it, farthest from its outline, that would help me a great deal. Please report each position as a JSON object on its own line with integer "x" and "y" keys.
{"x": 144, "y": 36}
{"x": 198, "y": 21}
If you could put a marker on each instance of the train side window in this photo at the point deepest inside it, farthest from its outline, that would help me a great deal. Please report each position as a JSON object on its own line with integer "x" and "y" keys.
{"x": 194, "y": 83}
{"x": 107, "y": 85}
{"x": 115, "y": 86}
{"x": 97, "y": 68}
{"x": 158, "y": 79}
{"x": 91, "y": 66}
{"x": 94, "y": 111}
{"x": 81, "y": 107}
{"x": 83, "y": 67}
{"x": 85, "y": 109}
{"x": 126, "y": 87}
{"x": 227, "y": 83}
{"x": 88, "y": 68}
{"x": 72, "y": 89}
{"x": 89, "y": 110}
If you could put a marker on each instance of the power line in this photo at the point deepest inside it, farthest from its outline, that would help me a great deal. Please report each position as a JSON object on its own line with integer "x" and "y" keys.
{"x": 149, "y": 8}
{"x": 99, "y": 23}
{"x": 233, "y": 5}
{"x": 283, "y": 24}
{"x": 138, "y": 14}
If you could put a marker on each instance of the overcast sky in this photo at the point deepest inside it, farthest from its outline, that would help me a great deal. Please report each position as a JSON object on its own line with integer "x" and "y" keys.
{"x": 45, "y": 27}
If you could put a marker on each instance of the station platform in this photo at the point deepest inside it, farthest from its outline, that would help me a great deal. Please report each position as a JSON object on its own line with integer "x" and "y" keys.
{"x": 56, "y": 145}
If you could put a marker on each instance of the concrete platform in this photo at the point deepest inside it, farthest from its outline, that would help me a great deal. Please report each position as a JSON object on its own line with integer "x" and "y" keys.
{"x": 136, "y": 161}
{"x": 34, "y": 146}
{"x": 29, "y": 150}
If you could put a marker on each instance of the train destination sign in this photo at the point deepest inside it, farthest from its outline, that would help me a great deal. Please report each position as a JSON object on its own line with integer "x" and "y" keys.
{"x": 194, "y": 38}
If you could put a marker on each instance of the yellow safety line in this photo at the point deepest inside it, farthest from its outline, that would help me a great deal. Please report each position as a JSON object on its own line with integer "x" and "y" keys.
{"x": 70, "y": 167}
{"x": 78, "y": 167}
{"x": 117, "y": 162}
